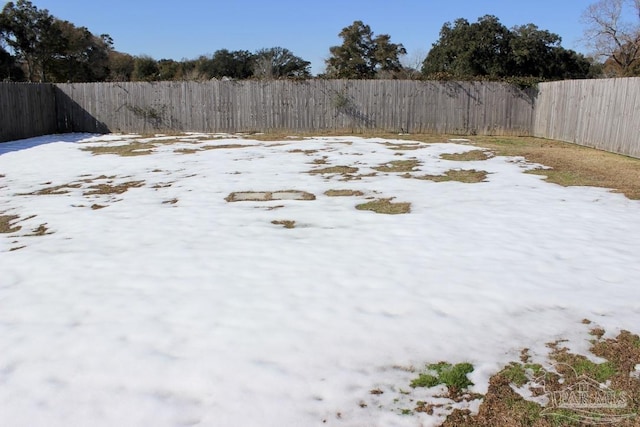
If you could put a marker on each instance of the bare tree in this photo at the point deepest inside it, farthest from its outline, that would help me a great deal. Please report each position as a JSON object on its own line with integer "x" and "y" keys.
{"x": 614, "y": 39}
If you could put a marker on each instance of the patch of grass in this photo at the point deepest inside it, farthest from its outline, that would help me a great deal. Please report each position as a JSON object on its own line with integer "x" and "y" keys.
{"x": 96, "y": 206}
{"x": 334, "y": 170}
{"x": 405, "y": 146}
{"x": 385, "y": 206}
{"x": 343, "y": 193}
{"x": 40, "y": 231}
{"x": 453, "y": 376}
{"x": 466, "y": 176}
{"x": 307, "y": 152}
{"x": 286, "y": 223}
{"x": 134, "y": 148}
{"x": 269, "y": 136}
{"x": 55, "y": 190}
{"x": 265, "y": 196}
{"x": 398, "y": 166}
{"x": 322, "y": 161}
{"x": 113, "y": 189}
{"x": 210, "y": 147}
{"x": 473, "y": 155}
{"x": 170, "y": 202}
{"x": 5, "y": 224}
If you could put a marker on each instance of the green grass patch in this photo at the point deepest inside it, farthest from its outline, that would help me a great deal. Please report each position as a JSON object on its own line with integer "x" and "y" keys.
{"x": 385, "y": 206}
{"x": 453, "y": 376}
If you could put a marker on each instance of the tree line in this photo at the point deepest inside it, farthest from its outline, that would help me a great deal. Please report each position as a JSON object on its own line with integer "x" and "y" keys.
{"x": 38, "y": 47}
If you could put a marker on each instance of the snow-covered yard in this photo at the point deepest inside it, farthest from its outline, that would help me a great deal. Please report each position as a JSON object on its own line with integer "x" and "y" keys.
{"x": 172, "y": 288}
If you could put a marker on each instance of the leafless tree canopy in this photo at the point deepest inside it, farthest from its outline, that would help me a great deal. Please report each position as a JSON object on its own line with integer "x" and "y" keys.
{"x": 613, "y": 33}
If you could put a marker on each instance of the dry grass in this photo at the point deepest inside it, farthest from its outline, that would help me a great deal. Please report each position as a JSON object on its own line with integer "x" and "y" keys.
{"x": 55, "y": 190}
{"x": 322, "y": 161}
{"x": 270, "y": 136}
{"x": 385, "y": 206}
{"x": 40, "y": 231}
{"x": 307, "y": 152}
{"x": 266, "y": 196}
{"x": 469, "y": 156}
{"x": 112, "y": 189}
{"x": 5, "y": 224}
{"x": 334, "y": 170}
{"x": 133, "y": 148}
{"x": 405, "y": 146}
{"x": 466, "y": 176}
{"x": 349, "y": 177}
{"x": 286, "y": 223}
{"x": 571, "y": 164}
{"x": 398, "y": 166}
{"x": 211, "y": 147}
{"x": 343, "y": 193}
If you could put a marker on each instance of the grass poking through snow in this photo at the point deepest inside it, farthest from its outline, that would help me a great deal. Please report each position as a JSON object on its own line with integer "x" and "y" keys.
{"x": 466, "y": 176}
{"x": 398, "y": 166}
{"x": 385, "y": 206}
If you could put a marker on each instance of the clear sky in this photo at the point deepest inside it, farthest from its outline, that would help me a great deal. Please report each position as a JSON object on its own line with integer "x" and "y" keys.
{"x": 190, "y": 28}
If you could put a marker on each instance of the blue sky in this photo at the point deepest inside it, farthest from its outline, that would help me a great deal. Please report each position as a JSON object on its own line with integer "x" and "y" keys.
{"x": 190, "y": 28}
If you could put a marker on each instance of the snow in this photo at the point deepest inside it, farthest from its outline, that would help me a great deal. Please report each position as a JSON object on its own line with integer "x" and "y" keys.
{"x": 172, "y": 307}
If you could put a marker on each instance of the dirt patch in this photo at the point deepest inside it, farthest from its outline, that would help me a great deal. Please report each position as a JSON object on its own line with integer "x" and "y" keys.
{"x": 286, "y": 223}
{"x": 334, "y": 170}
{"x": 96, "y": 206}
{"x": 343, "y": 193}
{"x": 6, "y": 226}
{"x": 385, "y": 206}
{"x": 474, "y": 155}
{"x": 467, "y": 176}
{"x": 265, "y": 196}
{"x": 398, "y": 166}
{"x": 170, "y": 202}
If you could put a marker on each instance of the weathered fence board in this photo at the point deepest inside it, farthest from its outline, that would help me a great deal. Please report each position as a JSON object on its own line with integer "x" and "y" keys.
{"x": 311, "y": 105}
{"x": 603, "y": 114}
{"x": 26, "y": 110}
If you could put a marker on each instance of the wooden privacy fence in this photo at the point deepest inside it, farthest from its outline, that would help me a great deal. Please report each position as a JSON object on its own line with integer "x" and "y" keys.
{"x": 26, "y": 110}
{"x": 603, "y": 114}
{"x": 309, "y": 105}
